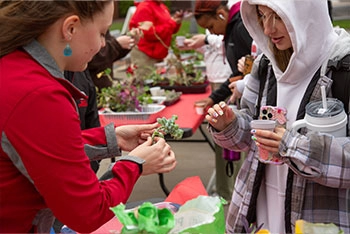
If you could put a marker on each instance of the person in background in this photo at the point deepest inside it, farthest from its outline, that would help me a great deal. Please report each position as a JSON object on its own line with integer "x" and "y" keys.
{"x": 87, "y": 107}
{"x": 237, "y": 87}
{"x": 217, "y": 71}
{"x": 216, "y": 64}
{"x": 314, "y": 178}
{"x": 45, "y": 155}
{"x": 223, "y": 18}
{"x": 158, "y": 26}
{"x": 115, "y": 49}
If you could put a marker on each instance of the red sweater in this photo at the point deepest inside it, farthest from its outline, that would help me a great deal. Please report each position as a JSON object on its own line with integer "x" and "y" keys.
{"x": 42, "y": 158}
{"x": 164, "y": 27}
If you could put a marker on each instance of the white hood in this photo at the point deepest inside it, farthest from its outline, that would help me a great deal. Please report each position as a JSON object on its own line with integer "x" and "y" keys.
{"x": 313, "y": 39}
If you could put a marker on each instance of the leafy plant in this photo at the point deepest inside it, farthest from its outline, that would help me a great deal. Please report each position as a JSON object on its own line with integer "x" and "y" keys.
{"x": 157, "y": 77}
{"x": 194, "y": 74}
{"x": 176, "y": 72}
{"x": 168, "y": 126}
{"x": 125, "y": 95}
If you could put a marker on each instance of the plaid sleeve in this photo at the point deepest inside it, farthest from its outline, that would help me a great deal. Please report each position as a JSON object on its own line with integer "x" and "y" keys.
{"x": 319, "y": 157}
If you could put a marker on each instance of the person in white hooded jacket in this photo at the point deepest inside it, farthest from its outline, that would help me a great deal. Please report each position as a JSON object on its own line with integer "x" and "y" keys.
{"x": 313, "y": 183}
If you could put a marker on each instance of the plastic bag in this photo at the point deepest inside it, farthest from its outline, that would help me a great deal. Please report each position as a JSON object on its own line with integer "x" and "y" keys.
{"x": 203, "y": 214}
{"x": 147, "y": 218}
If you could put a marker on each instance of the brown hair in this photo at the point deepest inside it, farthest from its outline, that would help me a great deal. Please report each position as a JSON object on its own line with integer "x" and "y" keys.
{"x": 282, "y": 56}
{"x": 23, "y": 21}
{"x": 205, "y": 7}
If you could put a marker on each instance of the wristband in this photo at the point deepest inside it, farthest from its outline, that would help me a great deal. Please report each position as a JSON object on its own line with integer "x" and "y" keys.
{"x": 134, "y": 159}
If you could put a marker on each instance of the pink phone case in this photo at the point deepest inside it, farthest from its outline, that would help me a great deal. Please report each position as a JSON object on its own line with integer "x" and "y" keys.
{"x": 274, "y": 113}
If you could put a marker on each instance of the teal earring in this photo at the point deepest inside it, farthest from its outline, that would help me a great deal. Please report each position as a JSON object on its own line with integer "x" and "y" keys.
{"x": 67, "y": 51}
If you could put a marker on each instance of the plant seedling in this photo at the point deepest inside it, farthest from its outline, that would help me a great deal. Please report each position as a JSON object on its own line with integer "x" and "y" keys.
{"x": 168, "y": 126}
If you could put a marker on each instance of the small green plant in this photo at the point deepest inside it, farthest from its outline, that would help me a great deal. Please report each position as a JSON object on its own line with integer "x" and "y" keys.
{"x": 156, "y": 77}
{"x": 168, "y": 126}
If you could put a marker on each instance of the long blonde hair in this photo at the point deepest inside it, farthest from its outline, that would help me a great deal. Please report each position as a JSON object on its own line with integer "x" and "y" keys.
{"x": 282, "y": 56}
{"x": 23, "y": 21}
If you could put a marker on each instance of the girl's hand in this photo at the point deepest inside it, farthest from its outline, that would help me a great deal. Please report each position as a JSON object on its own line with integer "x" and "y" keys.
{"x": 241, "y": 64}
{"x": 220, "y": 116}
{"x": 126, "y": 42}
{"x": 235, "y": 93}
{"x": 194, "y": 42}
{"x": 136, "y": 34}
{"x": 268, "y": 140}
{"x": 178, "y": 16}
{"x": 207, "y": 102}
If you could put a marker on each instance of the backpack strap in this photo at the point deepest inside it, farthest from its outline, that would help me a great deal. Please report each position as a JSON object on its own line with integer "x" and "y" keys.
{"x": 340, "y": 74}
{"x": 342, "y": 64}
{"x": 262, "y": 73}
{"x": 265, "y": 74}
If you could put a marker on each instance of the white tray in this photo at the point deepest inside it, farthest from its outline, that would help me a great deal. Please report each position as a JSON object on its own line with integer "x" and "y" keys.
{"x": 148, "y": 113}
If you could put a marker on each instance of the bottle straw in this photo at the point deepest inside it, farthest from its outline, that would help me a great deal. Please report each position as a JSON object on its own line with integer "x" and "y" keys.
{"x": 324, "y": 100}
{"x": 324, "y": 97}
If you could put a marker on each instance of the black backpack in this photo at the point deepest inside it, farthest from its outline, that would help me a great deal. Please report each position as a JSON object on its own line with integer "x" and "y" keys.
{"x": 341, "y": 80}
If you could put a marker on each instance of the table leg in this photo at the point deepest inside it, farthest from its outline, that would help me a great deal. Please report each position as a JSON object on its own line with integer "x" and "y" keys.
{"x": 212, "y": 183}
{"x": 206, "y": 138}
{"x": 162, "y": 184}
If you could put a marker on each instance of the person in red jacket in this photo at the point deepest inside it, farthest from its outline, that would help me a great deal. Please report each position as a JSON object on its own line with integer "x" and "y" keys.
{"x": 158, "y": 26}
{"x": 44, "y": 155}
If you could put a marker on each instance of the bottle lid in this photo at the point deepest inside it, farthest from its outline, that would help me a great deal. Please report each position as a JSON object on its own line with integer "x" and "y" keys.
{"x": 316, "y": 109}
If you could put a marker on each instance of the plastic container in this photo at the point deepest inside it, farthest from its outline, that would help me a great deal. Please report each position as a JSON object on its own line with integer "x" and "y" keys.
{"x": 148, "y": 114}
{"x": 332, "y": 120}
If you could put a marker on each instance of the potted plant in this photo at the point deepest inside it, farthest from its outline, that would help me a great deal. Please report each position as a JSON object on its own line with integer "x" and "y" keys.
{"x": 176, "y": 73}
{"x": 124, "y": 95}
